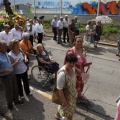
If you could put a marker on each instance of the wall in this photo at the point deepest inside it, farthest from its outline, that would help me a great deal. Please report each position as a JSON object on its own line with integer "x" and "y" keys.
{"x": 82, "y": 18}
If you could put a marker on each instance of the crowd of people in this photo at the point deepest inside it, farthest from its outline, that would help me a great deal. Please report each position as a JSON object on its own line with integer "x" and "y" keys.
{"x": 15, "y": 49}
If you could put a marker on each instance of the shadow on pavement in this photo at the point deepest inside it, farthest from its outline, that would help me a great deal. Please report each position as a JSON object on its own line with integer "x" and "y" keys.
{"x": 41, "y": 85}
{"x": 94, "y": 109}
{"x": 101, "y": 50}
{"x": 30, "y": 110}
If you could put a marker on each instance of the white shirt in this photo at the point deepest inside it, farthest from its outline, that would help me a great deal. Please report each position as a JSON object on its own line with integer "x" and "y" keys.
{"x": 60, "y": 24}
{"x": 38, "y": 29}
{"x": 33, "y": 30}
{"x": 17, "y": 34}
{"x": 7, "y": 37}
{"x": 65, "y": 23}
{"x": 21, "y": 67}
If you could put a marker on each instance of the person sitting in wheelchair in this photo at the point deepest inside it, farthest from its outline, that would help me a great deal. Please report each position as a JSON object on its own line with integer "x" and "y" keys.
{"x": 45, "y": 60}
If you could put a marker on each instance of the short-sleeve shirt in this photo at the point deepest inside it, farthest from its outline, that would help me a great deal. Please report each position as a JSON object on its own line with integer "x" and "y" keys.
{"x": 21, "y": 67}
{"x": 61, "y": 78}
{"x": 24, "y": 47}
{"x": 5, "y": 63}
{"x": 54, "y": 23}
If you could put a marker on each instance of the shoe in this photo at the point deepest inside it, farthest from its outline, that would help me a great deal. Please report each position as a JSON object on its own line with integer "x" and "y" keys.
{"x": 22, "y": 97}
{"x": 64, "y": 41}
{"x": 10, "y": 107}
{"x": 82, "y": 97}
{"x": 19, "y": 102}
{"x": 8, "y": 116}
{"x": 29, "y": 94}
{"x": 58, "y": 43}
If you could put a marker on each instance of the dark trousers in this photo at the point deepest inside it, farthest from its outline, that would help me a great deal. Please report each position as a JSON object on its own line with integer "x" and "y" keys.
{"x": 77, "y": 32}
{"x": 55, "y": 33}
{"x": 10, "y": 88}
{"x": 31, "y": 39}
{"x": 24, "y": 78}
{"x": 65, "y": 31}
{"x": 59, "y": 36}
{"x": 40, "y": 37}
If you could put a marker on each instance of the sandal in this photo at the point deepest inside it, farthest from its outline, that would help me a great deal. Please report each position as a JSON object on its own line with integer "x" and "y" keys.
{"x": 57, "y": 117}
{"x": 82, "y": 97}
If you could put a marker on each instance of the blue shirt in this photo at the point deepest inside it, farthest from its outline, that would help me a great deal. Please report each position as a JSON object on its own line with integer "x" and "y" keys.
{"x": 54, "y": 23}
{"x": 5, "y": 63}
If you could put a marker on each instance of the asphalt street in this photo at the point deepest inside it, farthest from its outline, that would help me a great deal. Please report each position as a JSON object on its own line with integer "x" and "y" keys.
{"x": 102, "y": 89}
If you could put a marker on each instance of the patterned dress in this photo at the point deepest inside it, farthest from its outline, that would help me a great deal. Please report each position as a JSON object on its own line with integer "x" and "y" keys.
{"x": 71, "y": 97}
{"x": 79, "y": 65}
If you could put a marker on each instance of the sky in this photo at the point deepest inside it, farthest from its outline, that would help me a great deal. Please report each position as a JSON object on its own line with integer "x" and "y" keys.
{"x": 54, "y": 2}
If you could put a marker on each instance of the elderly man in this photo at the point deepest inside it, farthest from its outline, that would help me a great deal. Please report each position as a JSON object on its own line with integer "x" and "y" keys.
{"x": 6, "y": 35}
{"x": 60, "y": 29}
{"x": 8, "y": 78}
{"x": 77, "y": 25}
{"x": 65, "y": 28}
{"x": 54, "y": 27}
{"x": 17, "y": 32}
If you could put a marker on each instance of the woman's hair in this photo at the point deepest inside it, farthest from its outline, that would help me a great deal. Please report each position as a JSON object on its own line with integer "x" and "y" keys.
{"x": 76, "y": 37}
{"x": 25, "y": 34}
{"x": 13, "y": 43}
{"x": 71, "y": 58}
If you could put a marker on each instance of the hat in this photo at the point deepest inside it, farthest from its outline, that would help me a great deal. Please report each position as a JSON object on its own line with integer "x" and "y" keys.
{"x": 66, "y": 15}
{"x": 75, "y": 17}
{"x": 61, "y": 17}
{"x": 55, "y": 15}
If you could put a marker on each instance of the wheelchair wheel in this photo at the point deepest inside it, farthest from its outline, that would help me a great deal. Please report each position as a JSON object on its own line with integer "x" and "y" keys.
{"x": 39, "y": 74}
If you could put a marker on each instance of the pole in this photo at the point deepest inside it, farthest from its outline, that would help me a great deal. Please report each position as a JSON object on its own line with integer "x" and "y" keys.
{"x": 14, "y": 5}
{"x": 98, "y": 7}
{"x": 60, "y": 7}
{"x": 34, "y": 9}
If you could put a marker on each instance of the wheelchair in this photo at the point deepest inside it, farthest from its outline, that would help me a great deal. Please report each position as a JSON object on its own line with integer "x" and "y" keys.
{"x": 42, "y": 74}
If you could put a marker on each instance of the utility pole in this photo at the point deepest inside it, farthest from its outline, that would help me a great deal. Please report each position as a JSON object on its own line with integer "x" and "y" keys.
{"x": 60, "y": 7}
{"x": 14, "y": 5}
{"x": 34, "y": 9}
{"x": 98, "y": 9}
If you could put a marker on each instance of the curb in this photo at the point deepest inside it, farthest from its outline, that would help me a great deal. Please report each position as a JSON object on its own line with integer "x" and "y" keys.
{"x": 101, "y": 43}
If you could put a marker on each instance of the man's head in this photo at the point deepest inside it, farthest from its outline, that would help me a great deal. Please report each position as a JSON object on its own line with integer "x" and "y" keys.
{"x": 55, "y": 17}
{"x": 31, "y": 21}
{"x": 61, "y": 18}
{"x": 39, "y": 21}
{"x": 66, "y": 17}
{"x": 7, "y": 28}
{"x": 76, "y": 18}
{"x": 3, "y": 46}
{"x": 16, "y": 26}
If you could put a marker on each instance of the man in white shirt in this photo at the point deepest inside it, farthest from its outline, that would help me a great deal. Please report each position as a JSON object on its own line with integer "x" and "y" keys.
{"x": 54, "y": 27}
{"x": 65, "y": 28}
{"x": 39, "y": 31}
{"x": 60, "y": 29}
{"x": 30, "y": 28}
{"x": 6, "y": 35}
{"x": 17, "y": 32}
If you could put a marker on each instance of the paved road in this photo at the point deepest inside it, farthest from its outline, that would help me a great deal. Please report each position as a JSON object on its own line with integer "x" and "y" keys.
{"x": 102, "y": 89}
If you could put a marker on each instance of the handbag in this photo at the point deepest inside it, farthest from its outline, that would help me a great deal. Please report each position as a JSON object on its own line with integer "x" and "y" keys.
{"x": 55, "y": 94}
{"x": 85, "y": 77}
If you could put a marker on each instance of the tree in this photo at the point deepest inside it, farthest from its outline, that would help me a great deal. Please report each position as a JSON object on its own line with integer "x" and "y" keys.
{"x": 8, "y": 9}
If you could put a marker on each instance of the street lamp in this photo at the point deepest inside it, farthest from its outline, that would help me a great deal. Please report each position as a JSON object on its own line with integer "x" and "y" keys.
{"x": 98, "y": 7}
